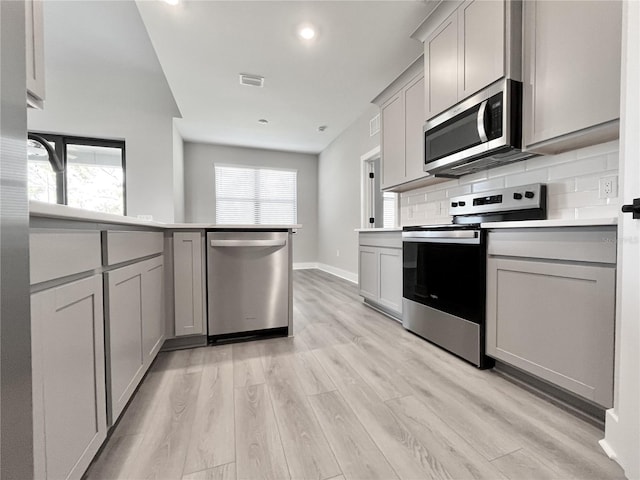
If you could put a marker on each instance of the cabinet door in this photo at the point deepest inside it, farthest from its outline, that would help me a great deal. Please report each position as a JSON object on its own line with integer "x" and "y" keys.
{"x": 441, "y": 67}
{"x": 390, "y": 278}
{"x": 572, "y": 67}
{"x": 554, "y": 320}
{"x": 414, "y": 122}
{"x": 124, "y": 327}
{"x": 393, "y": 142}
{"x": 481, "y": 33}
{"x": 188, "y": 283}
{"x": 368, "y": 272}
{"x": 69, "y": 400}
{"x": 34, "y": 52}
{"x": 153, "y": 325}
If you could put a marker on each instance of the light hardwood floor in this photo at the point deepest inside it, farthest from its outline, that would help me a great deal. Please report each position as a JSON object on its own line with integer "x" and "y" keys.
{"x": 351, "y": 396}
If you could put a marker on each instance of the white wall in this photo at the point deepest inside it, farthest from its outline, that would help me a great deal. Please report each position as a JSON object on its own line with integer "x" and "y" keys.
{"x": 178, "y": 176}
{"x": 339, "y": 196}
{"x": 572, "y": 180}
{"x": 95, "y": 88}
{"x": 200, "y": 199}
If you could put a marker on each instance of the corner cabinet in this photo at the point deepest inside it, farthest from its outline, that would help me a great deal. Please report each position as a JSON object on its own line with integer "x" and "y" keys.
{"x": 380, "y": 270}
{"x": 34, "y": 52}
{"x": 571, "y": 74}
{"x": 467, "y": 51}
{"x": 188, "y": 283}
{"x": 551, "y": 306}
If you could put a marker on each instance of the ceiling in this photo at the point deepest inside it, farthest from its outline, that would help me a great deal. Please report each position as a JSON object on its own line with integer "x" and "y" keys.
{"x": 202, "y": 47}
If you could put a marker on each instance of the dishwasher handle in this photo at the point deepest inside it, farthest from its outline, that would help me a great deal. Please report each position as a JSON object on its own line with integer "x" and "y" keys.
{"x": 248, "y": 243}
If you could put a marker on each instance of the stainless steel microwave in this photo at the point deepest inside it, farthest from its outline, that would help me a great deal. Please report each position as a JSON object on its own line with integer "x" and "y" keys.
{"x": 480, "y": 132}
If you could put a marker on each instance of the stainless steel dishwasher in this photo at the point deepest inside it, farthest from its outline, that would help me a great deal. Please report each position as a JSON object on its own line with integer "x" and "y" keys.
{"x": 248, "y": 282}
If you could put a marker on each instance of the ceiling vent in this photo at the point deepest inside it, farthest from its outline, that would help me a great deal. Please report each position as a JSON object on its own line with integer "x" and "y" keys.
{"x": 251, "y": 80}
{"x": 374, "y": 125}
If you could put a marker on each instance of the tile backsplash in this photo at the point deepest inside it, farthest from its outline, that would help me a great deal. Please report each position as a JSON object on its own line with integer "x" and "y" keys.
{"x": 572, "y": 179}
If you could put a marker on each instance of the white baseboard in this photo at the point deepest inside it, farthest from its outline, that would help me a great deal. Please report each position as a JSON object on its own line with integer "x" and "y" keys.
{"x": 305, "y": 265}
{"x": 338, "y": 272}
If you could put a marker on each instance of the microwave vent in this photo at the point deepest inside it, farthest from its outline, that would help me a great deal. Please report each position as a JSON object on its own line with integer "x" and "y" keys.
{"x": 251, "y": 80}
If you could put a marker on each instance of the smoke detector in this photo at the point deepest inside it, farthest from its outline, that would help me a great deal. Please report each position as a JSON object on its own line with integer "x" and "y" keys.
{"x": 251, "y": 80}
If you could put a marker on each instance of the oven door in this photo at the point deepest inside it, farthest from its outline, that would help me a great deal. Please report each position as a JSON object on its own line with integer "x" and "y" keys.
{"x": 445, "y": 270}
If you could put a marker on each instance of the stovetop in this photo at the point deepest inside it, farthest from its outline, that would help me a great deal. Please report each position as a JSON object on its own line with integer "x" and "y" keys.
{"x": 526, "y": 202}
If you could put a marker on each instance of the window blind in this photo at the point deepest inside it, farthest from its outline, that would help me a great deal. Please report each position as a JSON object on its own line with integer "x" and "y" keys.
{"x": 389, "y": 209}
{"x": 255, "y": 196}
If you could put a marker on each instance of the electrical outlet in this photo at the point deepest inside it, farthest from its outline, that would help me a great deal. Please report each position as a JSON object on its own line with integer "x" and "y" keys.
{"x": 608, "y": 187}
{"x": 337, "y": 253}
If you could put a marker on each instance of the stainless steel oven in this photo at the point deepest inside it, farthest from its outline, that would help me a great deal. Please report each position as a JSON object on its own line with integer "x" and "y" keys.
{"x": 444, "y": 269}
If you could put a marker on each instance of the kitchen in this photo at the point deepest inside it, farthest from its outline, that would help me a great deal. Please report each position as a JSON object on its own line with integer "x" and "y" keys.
{"x": 335, "y": 241}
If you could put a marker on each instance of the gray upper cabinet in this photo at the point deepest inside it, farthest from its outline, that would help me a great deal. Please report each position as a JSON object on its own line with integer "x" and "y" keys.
{"x": 34, "y": 52}
{"x": 571, "y": 74}
{"x": 441, "y": 67}
{"x": 551, "y": 306}
{"x": 188, "y": 283}
{"x": 481, "y": 29}
{"x": 69, "y": 401}
{"x": 414, "y": 121}
{"x": 468, "y": 45}
{"x": 393, "y": 141}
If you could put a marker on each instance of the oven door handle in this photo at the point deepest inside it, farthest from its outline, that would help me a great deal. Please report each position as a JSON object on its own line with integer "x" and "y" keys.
{"x": 460, "y": 237}
{"x": 480, "y": 121}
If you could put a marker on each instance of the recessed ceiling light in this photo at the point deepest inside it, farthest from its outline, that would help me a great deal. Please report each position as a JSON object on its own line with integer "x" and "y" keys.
{"x": 306, "y": 31}
{"x": 263, "y": 121}
{"x": 172, "y": 2}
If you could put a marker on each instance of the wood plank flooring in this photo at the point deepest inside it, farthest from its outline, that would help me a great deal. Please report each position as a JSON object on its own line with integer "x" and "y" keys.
{"x": 351, "y": 396}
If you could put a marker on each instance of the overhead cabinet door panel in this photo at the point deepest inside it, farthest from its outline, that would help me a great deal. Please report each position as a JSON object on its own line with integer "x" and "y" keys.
{"x": 441, "y": 67}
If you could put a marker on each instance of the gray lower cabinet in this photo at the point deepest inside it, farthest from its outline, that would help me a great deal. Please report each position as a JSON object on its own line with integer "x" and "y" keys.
{"x": 135, "y": 327}
{"x": 69, "y": 411}
{"x": 551, "y": 306}
{"x": 380, "y": 270}
{"x": 188, "y": 283}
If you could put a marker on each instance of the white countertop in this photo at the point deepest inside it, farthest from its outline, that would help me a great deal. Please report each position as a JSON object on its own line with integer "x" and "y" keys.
{"x": 365, "y": 230}
{"x": 568, "y": 222}
{"x": 52, "y": 210}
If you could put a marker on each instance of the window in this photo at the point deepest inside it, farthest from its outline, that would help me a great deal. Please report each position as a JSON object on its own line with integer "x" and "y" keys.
{"x": 91, "y": 174}
{"x": 390, "y": 209}
{"x": 255, "y": 196}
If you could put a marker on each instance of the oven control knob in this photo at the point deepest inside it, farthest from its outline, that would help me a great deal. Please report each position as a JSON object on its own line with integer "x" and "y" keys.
{"x": 454, "y": 204}
{"x": 462, "y": 204}
{"x": 529, "y": 194}
{"x": 517, "y": 196}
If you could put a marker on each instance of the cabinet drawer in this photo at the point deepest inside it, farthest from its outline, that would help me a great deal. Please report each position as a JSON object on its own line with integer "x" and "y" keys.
{"x": 58, "y": 253}
{"x": 381, "y": 239}
{"x": 124, "y": 246}
{"x": 580, "y": 244}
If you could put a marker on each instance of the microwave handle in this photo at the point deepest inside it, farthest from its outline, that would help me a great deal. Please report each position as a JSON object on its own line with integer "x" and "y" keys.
{"x": 481, "y": 131}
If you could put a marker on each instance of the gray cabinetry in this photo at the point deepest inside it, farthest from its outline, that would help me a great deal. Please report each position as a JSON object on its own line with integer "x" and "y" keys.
{"x": 69, "y": 411}
{"x": 135, "y": 327}
{"x": 188, "y": 286}
{"x": 380, "y": 270}
{"x": 34, "y": 52}
{"x": 551, "y": 306}
{"x": 402, "y": 121}
{"x": 467, "y": 51}
{"x": 571, "y": 74}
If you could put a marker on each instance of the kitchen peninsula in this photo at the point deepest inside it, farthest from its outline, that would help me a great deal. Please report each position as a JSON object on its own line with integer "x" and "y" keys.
{"x": 108, "y": 292}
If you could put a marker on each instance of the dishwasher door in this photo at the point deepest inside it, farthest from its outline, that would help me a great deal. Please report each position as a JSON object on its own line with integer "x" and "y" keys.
{"x": 248, "y": 281}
